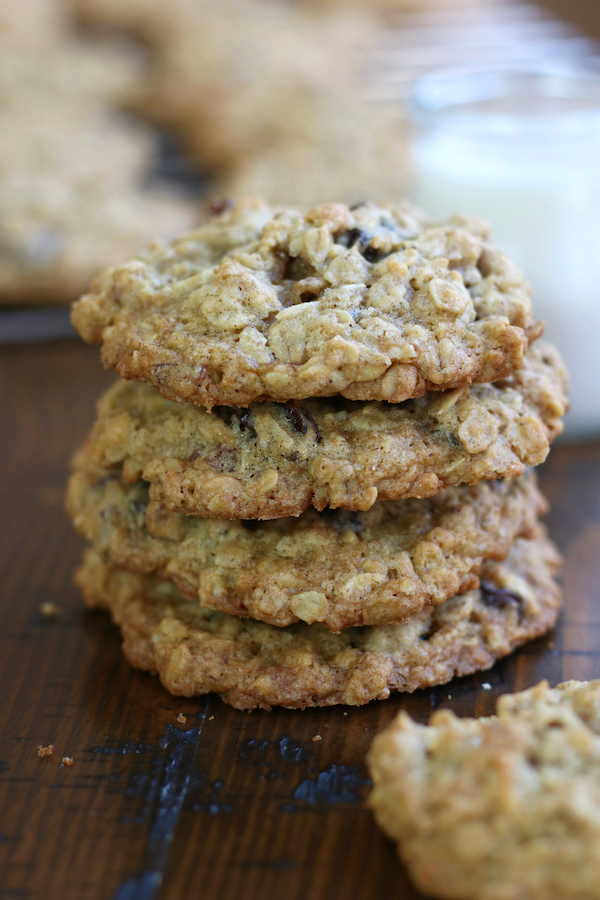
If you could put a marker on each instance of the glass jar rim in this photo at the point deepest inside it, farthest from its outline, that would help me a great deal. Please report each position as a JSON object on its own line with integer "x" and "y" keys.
{"x": 444, "y": 89}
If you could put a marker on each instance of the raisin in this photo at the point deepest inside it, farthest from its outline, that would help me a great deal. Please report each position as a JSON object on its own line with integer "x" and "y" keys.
{"x": 372, "y": 255}
{"x": 218, "y": 206}
{"x": 499, "y": 598}
{"x": 223, "y": 459}
{"x": 349, "y": 238}
{"x": 231, "y": 414}
{"x": 356, "y": 235}
{"x": 246, "y": 424}
{"x": 300, "y": 419}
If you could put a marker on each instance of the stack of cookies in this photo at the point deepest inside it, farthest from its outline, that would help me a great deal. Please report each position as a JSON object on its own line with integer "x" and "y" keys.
{"x": 312, "y": 486}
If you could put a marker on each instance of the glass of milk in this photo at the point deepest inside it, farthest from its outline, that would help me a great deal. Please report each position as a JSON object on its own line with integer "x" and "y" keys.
{"x": 522, "y": 150}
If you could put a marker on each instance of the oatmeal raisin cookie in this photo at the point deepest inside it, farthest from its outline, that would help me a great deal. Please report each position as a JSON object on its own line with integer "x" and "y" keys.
{"x": 273, "y": 459}
{"x": 372, "y": 303}
{"x": 501, "y": 807}
{"x": 336, "y": 567}
{"x": 252, "y": 664}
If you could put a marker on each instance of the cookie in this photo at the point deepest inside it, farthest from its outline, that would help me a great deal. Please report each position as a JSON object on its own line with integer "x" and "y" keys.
{"x": 275, "y": 460}
{"x": 235, "y": 78}
{"x": 73, "y": 167}
{"x": 64, "y": 220}
{"x": 38, "y": 68}
{"x": 337, "y": 568}
{"x": 498, "y": 808}
{"x": 270, "y": 95}
{"x": 252, "y": 664}
{"x": 372, "y": 303}
{"x": 389, "y": 7}
{"x": 351, "y": 151}
{"x": 31, "y": 22}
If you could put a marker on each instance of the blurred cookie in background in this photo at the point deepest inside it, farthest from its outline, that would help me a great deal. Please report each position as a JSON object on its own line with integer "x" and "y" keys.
{"x": 407, "y": 6}
{"x": 272, "y": 96}
{"x": 349, "y": 150}
{"x": 73, "y": 167}
{"x": 31, "y": 21}
{"x": 237, "y": 76}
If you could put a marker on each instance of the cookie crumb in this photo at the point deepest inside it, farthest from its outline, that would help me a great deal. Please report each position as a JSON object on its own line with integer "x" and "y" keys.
{"x": 486, "y": 686}
{"x": 211, "y": 718}
{"x": 49, "y": 610}
{"x": 317, "y": 737}
{"x": 45, "y": 751}
{"x": 67, "y": 761}
{"x": 181, "y": 718}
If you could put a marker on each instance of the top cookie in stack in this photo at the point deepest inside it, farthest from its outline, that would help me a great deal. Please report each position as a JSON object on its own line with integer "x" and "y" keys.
{"x": 297, "y": 329}
{"x": 370, "y": 303}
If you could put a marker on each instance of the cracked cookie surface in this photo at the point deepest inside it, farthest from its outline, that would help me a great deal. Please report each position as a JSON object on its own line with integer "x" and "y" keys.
{"x": 274, "y": 460}
{"x": 252, "y": 664}
{"x": 501, "y": 807}
{"x": 338, "y": 568}
{"x": 258, "y": 304}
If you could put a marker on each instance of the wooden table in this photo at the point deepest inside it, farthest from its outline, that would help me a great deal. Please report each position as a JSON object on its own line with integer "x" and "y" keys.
{"x": 228, "y": 805}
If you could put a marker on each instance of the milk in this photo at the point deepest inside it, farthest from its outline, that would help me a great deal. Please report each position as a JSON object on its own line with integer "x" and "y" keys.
{"x": 534, "y": 173}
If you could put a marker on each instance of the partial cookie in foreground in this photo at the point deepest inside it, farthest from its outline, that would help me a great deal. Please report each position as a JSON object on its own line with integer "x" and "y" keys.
{"x": 275, "y": 460}
{"x": 498, "y": 808}
{"x": 257, "y": 304}
{"x": 337, "y": 568}
{"x": 251, "y": 664}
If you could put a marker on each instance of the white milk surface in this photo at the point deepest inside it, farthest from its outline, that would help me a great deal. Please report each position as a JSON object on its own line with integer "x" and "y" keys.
{"x": 541, "y": 192}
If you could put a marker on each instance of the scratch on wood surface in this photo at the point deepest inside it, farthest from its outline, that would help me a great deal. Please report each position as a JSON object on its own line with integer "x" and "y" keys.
{"x": 175, "y": 775}
{"x": 336, "y": 784}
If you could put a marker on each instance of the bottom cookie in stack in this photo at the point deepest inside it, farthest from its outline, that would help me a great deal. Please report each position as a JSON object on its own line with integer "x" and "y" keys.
{"x": 252, "y": 664}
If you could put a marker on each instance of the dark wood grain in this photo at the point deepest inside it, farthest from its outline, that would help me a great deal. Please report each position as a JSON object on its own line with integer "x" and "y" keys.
{"x": 227, "y": 805}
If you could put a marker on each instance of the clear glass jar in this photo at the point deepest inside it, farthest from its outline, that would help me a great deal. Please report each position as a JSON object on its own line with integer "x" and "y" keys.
{"x": 522, "y": 150}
